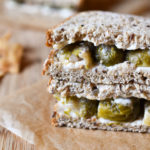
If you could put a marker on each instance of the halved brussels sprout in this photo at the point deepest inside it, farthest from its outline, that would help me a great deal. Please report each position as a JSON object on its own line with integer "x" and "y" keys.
{"x": 64, "y": 55}
{"x": 82, "y": 107}
{"x": 146, "y": 120}
{"x": 139, "y": 57}
{"x": 88, "y": 108}
{"x": 77, "y": 52}
{"x": 118, "y": 111}
{"x": 109, "y": 55}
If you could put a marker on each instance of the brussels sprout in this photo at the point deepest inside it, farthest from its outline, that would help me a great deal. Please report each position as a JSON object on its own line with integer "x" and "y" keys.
{"x": 88, "y": 108}
{"x": 64, "y": 54}
{"x": 109, "y": 55}
{"x": 139, "y": 57}
{"x": 111, "y": 110}
{"x": 77, "y": 52}
{"x": 80, "y": 107}
{"x": 146, "y": 120}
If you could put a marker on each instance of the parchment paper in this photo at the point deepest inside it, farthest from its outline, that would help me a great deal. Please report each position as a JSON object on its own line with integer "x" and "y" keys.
{"x": 34, "y": 54}
{"x": 27, "y": 114}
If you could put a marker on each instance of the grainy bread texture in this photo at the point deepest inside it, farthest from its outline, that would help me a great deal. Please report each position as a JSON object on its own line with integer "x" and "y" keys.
{"x": 124, "y": 31}
{"x": 94, "y": 125}
{"x": 124, "y": 73}
{"x": 100, "y": 82}
{"x": 99, "y": 91}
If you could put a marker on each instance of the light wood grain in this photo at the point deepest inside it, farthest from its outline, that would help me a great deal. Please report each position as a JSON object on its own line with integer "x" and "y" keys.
{"x": 9, "y": 141}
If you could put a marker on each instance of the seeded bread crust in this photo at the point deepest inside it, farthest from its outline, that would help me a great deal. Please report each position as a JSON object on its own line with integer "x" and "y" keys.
{"x": 93, "y": 125}
{"x": 127, "y": 32}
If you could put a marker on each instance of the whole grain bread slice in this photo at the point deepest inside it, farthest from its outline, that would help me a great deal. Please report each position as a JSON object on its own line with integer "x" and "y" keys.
{"x": 126, "y": 32}
{"x": 98, "y": 91}
{"x": 93, "y": 124}
{"x": 123, "y": 73}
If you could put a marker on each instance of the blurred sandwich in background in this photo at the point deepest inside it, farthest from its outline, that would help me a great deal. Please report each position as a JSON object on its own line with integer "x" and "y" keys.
{"x": 52, "y": 3}
{"x": 76, "y": 5}
{"x": 46, "y": 13}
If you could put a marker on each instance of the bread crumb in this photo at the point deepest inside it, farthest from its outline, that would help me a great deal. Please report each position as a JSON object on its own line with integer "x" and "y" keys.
{"x": 10, "y": 55}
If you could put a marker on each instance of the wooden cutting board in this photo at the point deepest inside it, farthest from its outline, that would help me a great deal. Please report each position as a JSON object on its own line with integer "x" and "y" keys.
{"x": 35, "y": 52}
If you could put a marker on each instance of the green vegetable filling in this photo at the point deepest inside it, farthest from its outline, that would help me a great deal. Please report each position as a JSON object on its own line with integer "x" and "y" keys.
{"x": 76, "y": 53}
{"x": 113, "y": 111}
{"x": 80, "y": 107}
{"x": 140, "y": 58}
{"x": 109, "y": 55}
{"x": 105, "y": 54}
{"x": 107, "y": 109}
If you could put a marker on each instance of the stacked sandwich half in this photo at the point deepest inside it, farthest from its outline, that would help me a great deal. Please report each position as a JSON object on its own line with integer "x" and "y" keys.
{"x": 99, "y": 69}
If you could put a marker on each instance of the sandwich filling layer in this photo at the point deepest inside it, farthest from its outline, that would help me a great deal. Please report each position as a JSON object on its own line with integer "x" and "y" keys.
{"x": 103, "y": 64}
{"x": 86, "y": 54}
{"x": 110, "y": 111}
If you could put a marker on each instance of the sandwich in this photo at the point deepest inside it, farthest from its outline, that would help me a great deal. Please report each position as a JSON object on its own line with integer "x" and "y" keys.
{"x": 63, "y": 8}
{"x": 99, "y": 72}
{"x": 52, "y": 8}
{"x": 52, "y": 3}
{"x": 73, "y": 4}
